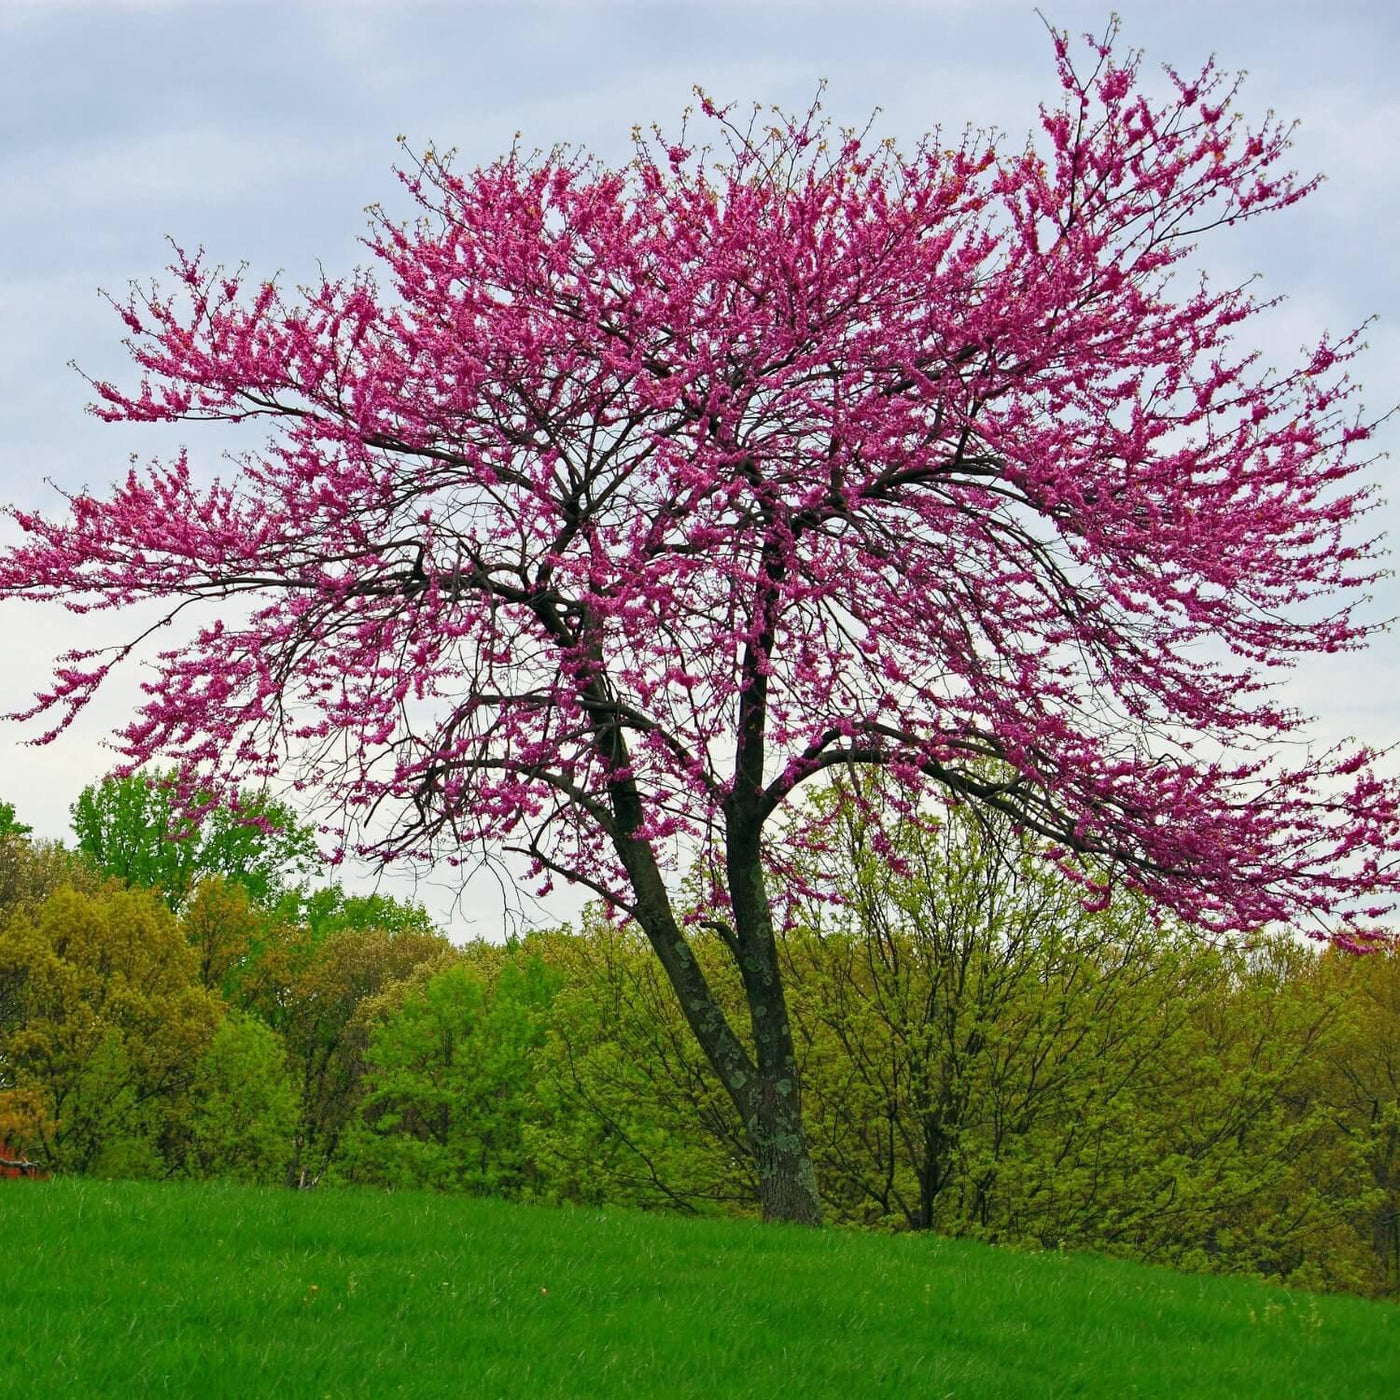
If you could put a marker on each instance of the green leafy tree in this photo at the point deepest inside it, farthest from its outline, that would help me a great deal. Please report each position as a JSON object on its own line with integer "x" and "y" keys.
{"x": 950, "y": 1007}
{"x": 24, "y": 1123}
{"x": 1359, "y": 1077}
{"x": 226, "y": 932}
{"x": 448, "y": 1079}
{"x": 243, "y": 1105}
{"x": 10, "y": 826}
{"x": 261, "y": 956}
{"x": 30, "y": 871}
{"x": 320, "y": 996}
{"x": 101, "y": 1024}
{"x": 136, "y": 829}
{"x": 1204, "y": 1141}
{"x": 329, "y": 909}
{"x": 627, "y": 1110}
{"x": 984, "y": 1056}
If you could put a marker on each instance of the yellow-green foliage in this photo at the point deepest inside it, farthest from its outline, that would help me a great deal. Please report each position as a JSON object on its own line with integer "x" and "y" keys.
{"x": 224, "y": 931}
{"x": 983, "y": 1057}
{"x": 447, "y": 1082}
{"x": 30, "y": 871}
{"x": 102, "y": 1022}
{"x": 626, "y": 1109}
{"x": 1358, "y": 1078}
{"x": 319, "y": 995}
{"x": 242, "y": 1105}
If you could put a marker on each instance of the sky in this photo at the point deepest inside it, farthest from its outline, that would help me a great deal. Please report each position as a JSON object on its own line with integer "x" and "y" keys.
{"x": 261, "y": 132}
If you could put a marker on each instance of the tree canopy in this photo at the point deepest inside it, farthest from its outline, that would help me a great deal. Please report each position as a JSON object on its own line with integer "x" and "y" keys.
{"x": 10, "y": 825}
{"x": 625, "y": 501}
{"x": 137, "y": 829}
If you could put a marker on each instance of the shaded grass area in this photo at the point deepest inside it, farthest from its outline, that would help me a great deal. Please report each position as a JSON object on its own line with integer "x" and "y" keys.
{"x": 135, "y": 1289}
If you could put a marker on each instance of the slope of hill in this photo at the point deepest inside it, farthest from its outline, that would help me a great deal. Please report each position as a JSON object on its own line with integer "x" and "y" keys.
{"x": 120, "y": 1289}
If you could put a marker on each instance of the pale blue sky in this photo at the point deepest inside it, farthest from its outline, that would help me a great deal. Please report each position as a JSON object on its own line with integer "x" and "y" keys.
{"x": 262, "y": 131}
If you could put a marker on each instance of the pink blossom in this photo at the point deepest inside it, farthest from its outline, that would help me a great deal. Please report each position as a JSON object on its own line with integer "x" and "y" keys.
{"x": 619, "y": 504}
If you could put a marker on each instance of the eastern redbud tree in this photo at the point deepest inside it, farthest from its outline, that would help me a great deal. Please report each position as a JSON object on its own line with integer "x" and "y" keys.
{"x": 626, "y": 501}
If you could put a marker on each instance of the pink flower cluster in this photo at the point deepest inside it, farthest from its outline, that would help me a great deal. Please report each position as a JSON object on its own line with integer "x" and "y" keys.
{"x": 623, "y": 502}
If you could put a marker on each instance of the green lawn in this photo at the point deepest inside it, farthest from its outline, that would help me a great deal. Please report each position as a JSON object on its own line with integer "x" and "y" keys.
{"x": 132, "y": 1290}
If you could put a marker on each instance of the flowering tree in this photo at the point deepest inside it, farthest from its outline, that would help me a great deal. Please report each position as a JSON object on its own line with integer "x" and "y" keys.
{"x": 637, "y": 498}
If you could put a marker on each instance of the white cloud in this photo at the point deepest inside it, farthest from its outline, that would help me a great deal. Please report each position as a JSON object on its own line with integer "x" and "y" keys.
{"x": 194, "y": 168}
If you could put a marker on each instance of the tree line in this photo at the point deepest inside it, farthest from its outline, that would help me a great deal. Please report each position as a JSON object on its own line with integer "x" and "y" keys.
{"x": 979, "y": 1054}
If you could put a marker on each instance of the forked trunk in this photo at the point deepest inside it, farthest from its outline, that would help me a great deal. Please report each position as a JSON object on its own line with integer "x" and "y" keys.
{"x": 766, "y": 1092}
{"x": 763, "y": 1087}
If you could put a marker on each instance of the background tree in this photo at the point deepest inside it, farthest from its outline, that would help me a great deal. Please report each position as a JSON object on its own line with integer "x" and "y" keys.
{"x": 625, "y": 1107}
{"x": 10, "y": 825}
{"x": 985, "y": 1057}
{"x": 327, "y": 909}
{"x": 447, "y": 1084}
{"x": 227, "y": 933}
{"x": 30, "y": 871}
{"x": 982, "y": 1056}
{"x": 136, "y": 829}
{"x": 102, "y": 1021}
{"x": 1358, "y": 1077}
{"x": 242, "y": 1117}
{"x": 949, "y": 1009}
{"x": 324, "y": 1012}
{"x": 646, "y": 495}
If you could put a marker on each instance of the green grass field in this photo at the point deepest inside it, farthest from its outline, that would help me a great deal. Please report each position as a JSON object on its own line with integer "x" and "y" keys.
{"x": 134, "y": 1290}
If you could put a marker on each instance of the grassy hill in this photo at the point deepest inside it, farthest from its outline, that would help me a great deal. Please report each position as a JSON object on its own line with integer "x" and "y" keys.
{"x": 126, "y": 1289}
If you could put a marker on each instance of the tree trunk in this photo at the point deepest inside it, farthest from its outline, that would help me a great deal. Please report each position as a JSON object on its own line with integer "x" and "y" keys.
{"x": 933, "y": 1173}
{"x": 787, "y": 1179}
{"x": 772, "y": 1112}
{"x": 766, "y": 1093}
{"x": 787, "y": 1182}
{"x": 764, "y": 1087}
